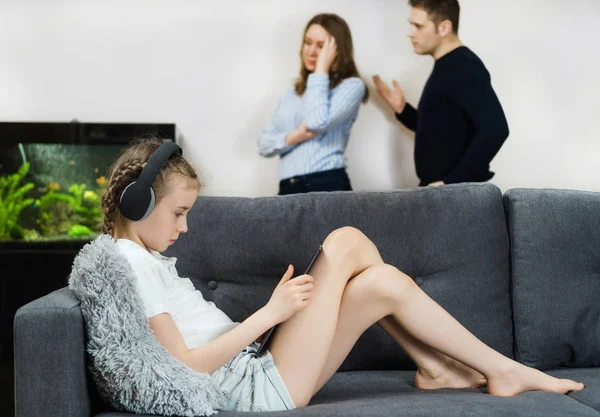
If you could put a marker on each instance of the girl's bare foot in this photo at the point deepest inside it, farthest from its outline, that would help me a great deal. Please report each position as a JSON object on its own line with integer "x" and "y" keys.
{"x": 448, "y": 374}
{"x": 519, "y": 378}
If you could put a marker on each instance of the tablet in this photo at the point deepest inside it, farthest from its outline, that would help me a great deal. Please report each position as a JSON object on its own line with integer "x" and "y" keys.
{"x": 265, "y": 340}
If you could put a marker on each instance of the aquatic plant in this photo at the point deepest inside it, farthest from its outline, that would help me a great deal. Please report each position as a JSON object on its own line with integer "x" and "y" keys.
{"x": 13, "y": 201}
{"x": 79, "y": 230}
{"x": 56, "y": 213}
{"x": 30, "y": 234}
{"x": 60, "y": 211}
{"x": 87, "y": 205}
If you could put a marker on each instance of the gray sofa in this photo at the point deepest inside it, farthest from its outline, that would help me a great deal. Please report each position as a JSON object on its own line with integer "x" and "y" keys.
{"x": 520, "y": 270}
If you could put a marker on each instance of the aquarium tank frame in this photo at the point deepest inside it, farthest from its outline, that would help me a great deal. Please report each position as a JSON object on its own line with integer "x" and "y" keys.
{"x": 84, "y": 133}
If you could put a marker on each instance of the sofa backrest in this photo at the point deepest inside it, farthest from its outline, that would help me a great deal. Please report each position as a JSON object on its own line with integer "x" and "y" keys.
{"x": 555, "y": 262}
{"x": 451, "y": 240}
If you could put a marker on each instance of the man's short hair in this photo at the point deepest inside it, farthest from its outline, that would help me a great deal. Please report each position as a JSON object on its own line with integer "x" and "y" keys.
{"x": 440, "y": 10}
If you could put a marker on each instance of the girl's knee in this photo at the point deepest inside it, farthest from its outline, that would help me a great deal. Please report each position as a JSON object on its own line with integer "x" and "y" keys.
{"x": 347, "y": 242}
{"x": 379, "y": 283}
{"x": 344, "y": 236}
{"x": 397, "y": 284}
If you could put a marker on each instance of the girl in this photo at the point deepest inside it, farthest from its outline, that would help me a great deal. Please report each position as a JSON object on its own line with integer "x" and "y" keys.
{"x": 311, "y": 125}
{"x": 319, "y": 318}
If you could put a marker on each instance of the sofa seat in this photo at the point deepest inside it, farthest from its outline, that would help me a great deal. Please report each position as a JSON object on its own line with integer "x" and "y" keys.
{"x": 392, "y": 393}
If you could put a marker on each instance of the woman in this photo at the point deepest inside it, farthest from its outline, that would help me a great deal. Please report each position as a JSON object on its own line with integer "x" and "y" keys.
{"x": 311, "y": 125}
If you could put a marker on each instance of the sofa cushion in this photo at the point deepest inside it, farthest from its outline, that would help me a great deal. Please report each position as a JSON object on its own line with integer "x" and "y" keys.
{"x": 590, "y": 377}
{"x": 555, "y": 244}
{"x": 392, "y": 393}
{"x": 452, "y": 240}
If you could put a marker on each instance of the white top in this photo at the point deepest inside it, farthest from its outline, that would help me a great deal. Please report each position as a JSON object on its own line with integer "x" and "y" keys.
{"x": 163, "y": 291}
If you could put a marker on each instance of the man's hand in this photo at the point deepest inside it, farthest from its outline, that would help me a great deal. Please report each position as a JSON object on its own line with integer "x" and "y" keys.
{"x": 394, "y": 98}
{"x": 435, "y": 184}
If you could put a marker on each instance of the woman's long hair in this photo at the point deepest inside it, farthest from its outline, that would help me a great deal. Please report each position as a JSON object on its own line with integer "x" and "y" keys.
{"x": 343, "y": 66}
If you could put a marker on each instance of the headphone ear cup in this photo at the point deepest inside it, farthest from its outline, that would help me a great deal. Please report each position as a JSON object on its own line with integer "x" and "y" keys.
{"x": 126, "y": 203}
{"x": 136, "y": 205}
{"x": 150, "y": 204}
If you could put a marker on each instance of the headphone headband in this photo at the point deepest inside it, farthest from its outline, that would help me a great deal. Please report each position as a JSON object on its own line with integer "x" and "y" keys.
{"x": 156, "y": 161}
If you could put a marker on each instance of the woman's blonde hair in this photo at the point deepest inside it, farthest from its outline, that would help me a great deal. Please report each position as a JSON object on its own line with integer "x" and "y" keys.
{"x": 127, "y": 168}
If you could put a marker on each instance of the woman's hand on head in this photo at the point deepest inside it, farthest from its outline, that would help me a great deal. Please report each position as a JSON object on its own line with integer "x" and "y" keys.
{"x": 290, "y": 296}
{"x": 326, "y": 56}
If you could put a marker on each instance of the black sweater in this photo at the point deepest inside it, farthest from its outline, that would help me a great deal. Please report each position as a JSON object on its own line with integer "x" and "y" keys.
{"x": 460, "y": 125}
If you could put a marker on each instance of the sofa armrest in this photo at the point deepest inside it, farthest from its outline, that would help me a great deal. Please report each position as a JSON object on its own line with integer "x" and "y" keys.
{"x": 50, "y": 358}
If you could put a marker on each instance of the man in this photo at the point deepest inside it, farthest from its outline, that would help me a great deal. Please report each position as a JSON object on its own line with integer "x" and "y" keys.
{"x": 460, "y": 125}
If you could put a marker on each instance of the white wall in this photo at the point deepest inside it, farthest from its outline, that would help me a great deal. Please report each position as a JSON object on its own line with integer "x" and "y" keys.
{"x": 216, "y": 69}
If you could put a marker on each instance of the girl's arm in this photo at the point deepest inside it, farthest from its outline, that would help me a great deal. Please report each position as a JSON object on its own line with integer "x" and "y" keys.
{"x": 210, "y": 357}
{"x": 290, "y": 296}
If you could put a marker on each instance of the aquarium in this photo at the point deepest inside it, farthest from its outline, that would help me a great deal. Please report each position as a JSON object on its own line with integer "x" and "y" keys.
{"x": 53, "y": 176}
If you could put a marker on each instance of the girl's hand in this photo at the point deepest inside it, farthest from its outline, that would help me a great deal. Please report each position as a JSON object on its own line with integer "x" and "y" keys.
{"x": 326, "y": 56}
{"x": 290, "y": 296}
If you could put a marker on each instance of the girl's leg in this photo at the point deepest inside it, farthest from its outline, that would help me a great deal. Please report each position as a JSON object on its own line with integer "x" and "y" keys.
{"x": 366, "y": 300}
{"x": 429, "y": 323}
{"x": 434, "y": 369}
{"x": 302, "y": 344}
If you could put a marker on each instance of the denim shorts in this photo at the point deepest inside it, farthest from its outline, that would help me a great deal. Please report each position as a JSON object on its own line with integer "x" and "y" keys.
{"x": 253, "y": 384}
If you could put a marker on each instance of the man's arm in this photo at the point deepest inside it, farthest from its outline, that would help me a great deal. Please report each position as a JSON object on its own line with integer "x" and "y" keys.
{"x": 474, "y": 93}
{"x": 409, "y": 117}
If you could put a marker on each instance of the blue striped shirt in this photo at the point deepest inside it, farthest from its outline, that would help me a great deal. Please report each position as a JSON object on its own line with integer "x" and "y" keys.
{"x": 330, "y": 113}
